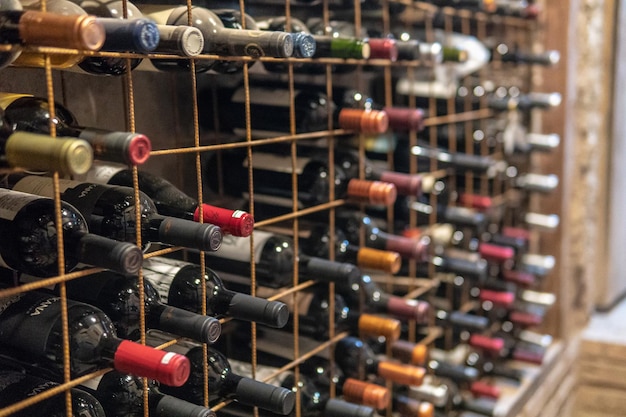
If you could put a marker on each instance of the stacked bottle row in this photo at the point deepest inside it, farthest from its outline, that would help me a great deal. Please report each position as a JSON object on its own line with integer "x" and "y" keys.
{"x": 401, "y": 278}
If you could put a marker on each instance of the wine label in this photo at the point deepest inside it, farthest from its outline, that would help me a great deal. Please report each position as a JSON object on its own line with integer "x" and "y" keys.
{"x": 238, "y": 248}
{"x": 276, "y": 163}
{"x": 8, "y": 379}
{"x": 263, "y": 373}
{"x": 92, "y": 383}
{"x": 161, "y": 274}
{"x": 41, "y": 185}
{"x": 11, "y": 202}
{"x": 101, "y": 173}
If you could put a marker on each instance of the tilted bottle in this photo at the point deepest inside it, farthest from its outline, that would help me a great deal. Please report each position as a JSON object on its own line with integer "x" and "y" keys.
{"x": 270, "y": 112}
{"x": 20, "y": 27}
{"x": 124, "y": 33}
{"x": 314, "y": 313}
{"x": 17, "y": 386}
{"x": 272, "y": 177}
{"x": 305, "y": 45}
{"x": 66, "y": 8}
{"x": 316, "y": 241}
{"x": 315, "y": 401}
{"x": 31, "y": 330}
{"x": 354, "y": 356}
{"x": 118, "y": 297}
{"x": 371, "y": 298}
{"x": 28, "y": 113}
{"x": 380, "y": 47}
{"x": 110, "y": 212}
{"x": 28, "y": 224}
{"x": 224, "y": 382}
{"x": 274, "y": 259}
{"x": 179, "y": 284}
{"x": 51, "y": 28}
{"x": 122, "y": 395}
{"x": 219, "y": 40}
{"x": 170, "y": 200}
{"x": 69, "y": 156}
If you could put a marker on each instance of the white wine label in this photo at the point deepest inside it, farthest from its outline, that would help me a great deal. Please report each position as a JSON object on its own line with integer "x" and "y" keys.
{"x": 277, "y": 163}
{"x": 42, "y": 186}
{"x": 92, "y": 383}
{"x": 102, "y": 173}
{"x": 238, "y": 248}
{"x": 161, "y": 273}
{"x": 263, "y": 373}
{"x": 11, "y": 202}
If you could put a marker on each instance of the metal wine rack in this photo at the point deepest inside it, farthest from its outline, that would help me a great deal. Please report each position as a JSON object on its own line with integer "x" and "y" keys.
{"x": 164, "y": 106}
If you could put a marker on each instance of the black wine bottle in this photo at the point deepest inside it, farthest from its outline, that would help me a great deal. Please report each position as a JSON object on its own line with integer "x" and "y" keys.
{"x": 118, "y": 297}
{"x": 31, "y": 330}
{"x": 31, "y": 114}
{"x": 39, "y": 152}
{"x": 272, "y": 178}
{"x": 354, "y": 356}
{"x": 224, "y": 383}
{"x": 110, "y": 212}
{"x": 218, "y": 39}
{"x": 270, "y": 112}
{"x": 122, "y": 395}
{"x": 28, "y": 224}
{"x": 18, "y": 386}
{"x": 179, "y": 284}
{"x": 274, "y": 261}
{"x": 171, "y": 201}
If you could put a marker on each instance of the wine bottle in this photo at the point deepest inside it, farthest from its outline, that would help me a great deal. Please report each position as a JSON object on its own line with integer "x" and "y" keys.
{"x": 314, "y": 312}
{"x": 224, "y": 382}
{"x": 380, "y": 48}
{"x": 314, "y": 400}
{"x": 131, "y": 32}
{"x": 28, "y": 224}
{"x": 18, "y": 386}
{"x": 31, "y": 114}
{"x": 371, "y": 298}
{"x": 516, "y": 8}
{"x": 274, "y": 259}
{"x": 122, "y": 395}
{"x": 171, "y": 201}
{"x": 179, "y": 285}
{"x": 303, "y": 42}
{"x": 409, "y": 407}
{"x": 350, "y": 161}
{"x": 93, "y": 341}
{"x": 91, "y": 33}
{"x": 272, "y": 178}
{"x": 110, "y": 212}
{"x": 32, "y": 27}
{"x": 34, "y": 151}
{"x": 118, "y": 297}
{"x": 316, "y": 241}
{"x": 7, "y": 57}
{"x": 353, "y": 356}
{"x": 219, "y": 40}
{"x": 270, "y": 112}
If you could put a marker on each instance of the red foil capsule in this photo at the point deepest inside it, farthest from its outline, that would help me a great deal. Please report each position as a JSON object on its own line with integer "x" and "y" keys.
{"x": 496, "y": 253}
{"x": 383, "y": 48}
{"x": 501, "y": 298}
{"x": 167, "y": 367}
{"x": 233, "y": 222}
{"x": 483, "y": 389}
{"x": 478, "y": 202}
{"x": 492, "y": 345}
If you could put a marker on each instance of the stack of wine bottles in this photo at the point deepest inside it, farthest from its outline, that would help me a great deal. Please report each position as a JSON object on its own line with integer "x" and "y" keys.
{"x": 358, "y": 239}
